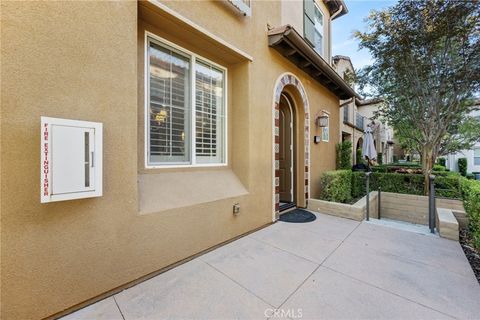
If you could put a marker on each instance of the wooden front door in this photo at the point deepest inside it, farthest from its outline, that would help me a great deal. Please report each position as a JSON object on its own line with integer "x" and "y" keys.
{"x": 286, "y": 151}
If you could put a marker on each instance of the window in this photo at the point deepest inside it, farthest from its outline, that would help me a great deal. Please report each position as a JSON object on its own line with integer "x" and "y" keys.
{"x": 325, "y": 131}
{"x": 313, "y": 25}
{"x": 244, "y": 6}
{"x": 318, "y": 37}
{"x": 185, "y": 118}
{"x": 476, "y": 156}
{"x": 346, "y": 113}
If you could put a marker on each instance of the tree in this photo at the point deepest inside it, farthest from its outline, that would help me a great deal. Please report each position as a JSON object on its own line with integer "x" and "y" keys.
{"x": 426, "y": 66}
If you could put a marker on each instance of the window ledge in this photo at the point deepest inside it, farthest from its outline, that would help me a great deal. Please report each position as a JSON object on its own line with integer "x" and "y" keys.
{"x": 170, "y": 190}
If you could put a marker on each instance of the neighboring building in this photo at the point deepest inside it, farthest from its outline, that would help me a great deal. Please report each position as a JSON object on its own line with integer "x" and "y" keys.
{"x": 383, "y": 135}
{"x": 472, "y": 155}
{"x": 352, "y": 123}
{"x": 356, "y": 113}
{"x": 206, "y": 110}
{"x": 398, "y": 152}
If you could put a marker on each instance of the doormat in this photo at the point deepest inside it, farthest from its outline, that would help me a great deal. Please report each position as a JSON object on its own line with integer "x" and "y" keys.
{"x": 298, "y": 216}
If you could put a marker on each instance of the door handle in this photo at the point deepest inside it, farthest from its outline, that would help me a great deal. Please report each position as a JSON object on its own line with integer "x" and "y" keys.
{"x": 87, "y": 158}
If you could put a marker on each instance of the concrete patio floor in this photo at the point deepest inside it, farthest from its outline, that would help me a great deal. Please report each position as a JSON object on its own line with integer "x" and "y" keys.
{"x": 331, "y": 268}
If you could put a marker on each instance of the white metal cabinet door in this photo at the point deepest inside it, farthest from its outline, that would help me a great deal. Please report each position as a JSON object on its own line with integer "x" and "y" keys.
{"x": 72, "y": 159}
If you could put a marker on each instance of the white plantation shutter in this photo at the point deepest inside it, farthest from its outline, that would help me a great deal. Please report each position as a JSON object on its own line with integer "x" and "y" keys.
{"x": 318, "y": 36}
{"x": 309, "y": 21}
{"x": 209, "y": 125}
{"x": 169, "y": 105}
{"x": 181, "y": 121}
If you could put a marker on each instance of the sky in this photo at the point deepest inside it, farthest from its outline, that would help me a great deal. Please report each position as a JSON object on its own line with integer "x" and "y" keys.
{"x": 342, "y": 30}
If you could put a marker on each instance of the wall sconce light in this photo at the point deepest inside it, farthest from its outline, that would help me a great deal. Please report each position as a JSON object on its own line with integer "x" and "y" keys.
{"x": 317, "y": 139}
{"x": 322, "y": 121}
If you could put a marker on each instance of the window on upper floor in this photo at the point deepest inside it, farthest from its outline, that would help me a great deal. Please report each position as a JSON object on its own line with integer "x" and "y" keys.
{"x": 318, "y": 38}
{"x": 476, "y": 156}
{"x": 346, "y": 113}
{"x": 313, "y": 25}
{"x": 185, "y": 109}
{"x": 244, "y": 6}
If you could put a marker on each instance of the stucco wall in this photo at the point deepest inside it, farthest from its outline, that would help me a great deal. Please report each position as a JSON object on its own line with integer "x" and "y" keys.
{"x": 414, "y": 209}
{"x": 79, "y": 60}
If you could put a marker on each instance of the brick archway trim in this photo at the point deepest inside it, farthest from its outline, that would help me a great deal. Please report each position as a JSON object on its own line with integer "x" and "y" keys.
{"x": 284, "y": 80}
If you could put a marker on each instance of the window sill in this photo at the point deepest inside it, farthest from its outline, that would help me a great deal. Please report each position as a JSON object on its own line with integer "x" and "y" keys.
{"x": 179, "y": 166}
{"x": 170, "y": 190}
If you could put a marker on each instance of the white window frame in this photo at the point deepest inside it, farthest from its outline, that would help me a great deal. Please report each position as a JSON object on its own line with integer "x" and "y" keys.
{"x": 475, "y": 149}
{"x": 320, "y": 30}
{"x": 244, "y": 8}
{"x": 327, "y": 129}
{"x": 193, "y": 57}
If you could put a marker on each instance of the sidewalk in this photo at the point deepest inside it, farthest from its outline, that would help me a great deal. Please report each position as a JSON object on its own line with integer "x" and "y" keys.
{"x": 331, "y": 268}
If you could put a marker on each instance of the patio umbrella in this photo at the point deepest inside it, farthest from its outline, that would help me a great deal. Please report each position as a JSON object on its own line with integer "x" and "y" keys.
{"x": 368, "y": 147}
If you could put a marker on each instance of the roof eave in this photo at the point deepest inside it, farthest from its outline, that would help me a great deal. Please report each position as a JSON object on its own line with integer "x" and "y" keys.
{"x": 294, "y": 47}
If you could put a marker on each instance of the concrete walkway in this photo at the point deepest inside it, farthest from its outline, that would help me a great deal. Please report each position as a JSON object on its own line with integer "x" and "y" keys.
{"x": 331, "y": 268}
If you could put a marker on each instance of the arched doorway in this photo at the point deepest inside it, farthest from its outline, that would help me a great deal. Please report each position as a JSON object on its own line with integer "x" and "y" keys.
{"x": 358, "y": 156}
{"x": 291, "y": 138}
{"x": 287, "y": 150}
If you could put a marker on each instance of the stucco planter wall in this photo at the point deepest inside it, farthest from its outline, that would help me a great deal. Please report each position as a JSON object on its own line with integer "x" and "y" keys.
{"x": 356, "y": 211}
{"x": 450, "y": 214}
{"x": 414, "y": 209}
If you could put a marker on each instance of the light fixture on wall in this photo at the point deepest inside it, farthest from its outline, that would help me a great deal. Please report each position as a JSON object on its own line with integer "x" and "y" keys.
{"x": 322, "y": 121}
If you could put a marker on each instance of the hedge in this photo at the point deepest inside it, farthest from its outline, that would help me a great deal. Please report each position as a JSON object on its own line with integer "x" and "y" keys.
{"x": 389, "y": 182}
{"x": 445, "y": 186}
{"x": 359, "y": 157}
{"x": 336, "y": 186}
{"x": 344, "y": 155}
{"x": 438, "y": 167}
{"x": 462, "y": 166}
{"x": 471, "y": 202}
{"x": 448, "y": 186}
{"x": 442, "y": 161}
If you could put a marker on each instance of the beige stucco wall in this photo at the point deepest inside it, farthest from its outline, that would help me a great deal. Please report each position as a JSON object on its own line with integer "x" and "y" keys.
{"x": 79, "y": 60}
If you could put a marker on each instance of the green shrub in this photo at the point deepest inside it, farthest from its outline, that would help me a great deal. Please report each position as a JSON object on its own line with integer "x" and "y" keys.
{"x": 398, "y": 182}
{"x": 380, "y": 158}
{"x": 380, "y": 168}
{"x": 358, "y": 184}
{"x": 359, "y": 156}
{"x": 405, "y": 165}
{"x": 442, "y": 161}
{"x": 389, "y": 182}
{"x": 446, "y": 174}
{"x": 336, "y": 186}
{"x": 344, "y": 155}
{"x": 439, "y": 167}
{"x": 470, "y": 176}
{"x": 471, "y": 202}
{"x": 446, "y": 186}
{"x": 462, "y": 166}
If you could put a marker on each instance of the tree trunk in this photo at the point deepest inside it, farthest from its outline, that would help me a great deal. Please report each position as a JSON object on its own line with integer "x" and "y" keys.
{"x": 427, "y": 165}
